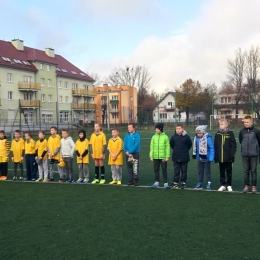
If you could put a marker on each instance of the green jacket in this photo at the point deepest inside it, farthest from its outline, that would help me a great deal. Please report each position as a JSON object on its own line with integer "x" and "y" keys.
{"x": 160, "y": 146}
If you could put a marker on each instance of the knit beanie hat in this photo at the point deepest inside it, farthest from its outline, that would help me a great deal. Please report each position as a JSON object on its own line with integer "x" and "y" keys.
{"x": 159, "y": 126}
{"x": 201, "y": 128}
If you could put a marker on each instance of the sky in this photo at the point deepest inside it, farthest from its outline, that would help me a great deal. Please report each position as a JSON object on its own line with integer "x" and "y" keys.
{"x": 174, "y": 39}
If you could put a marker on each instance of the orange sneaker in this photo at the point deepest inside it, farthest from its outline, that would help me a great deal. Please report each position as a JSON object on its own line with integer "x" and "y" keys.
{"x": 3, "y": 178}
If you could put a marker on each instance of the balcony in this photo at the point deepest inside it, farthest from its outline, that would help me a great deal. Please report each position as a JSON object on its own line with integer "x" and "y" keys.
{"x": 114, "y": 101}
{"x": 169, "y": 107}
{"x": 113, "y": 110}
{"x": 30, "y": 103}
{"x": 83, "y": 92}
{"x": 28, "y": 86}
{"x": 82, "y": 106}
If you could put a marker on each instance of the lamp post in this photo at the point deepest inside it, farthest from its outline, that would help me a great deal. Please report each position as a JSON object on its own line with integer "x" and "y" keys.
{"x": 252, "y": 104}
{"x": 212, "y": 102}
{"x": 175, "y": 114}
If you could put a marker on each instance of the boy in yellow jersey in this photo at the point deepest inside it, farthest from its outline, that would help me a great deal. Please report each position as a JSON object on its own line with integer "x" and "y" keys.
{"x": 4, "y": 153}
{"x": 115, "y": 148}
{"x": 31, "y": 166}
{"x": 97, "y": 149}
{"x": 54, "y": 153}
{"x": 17, "y": 154}
{"x": 41, "y": 156}
{"x": 82, "y": 157}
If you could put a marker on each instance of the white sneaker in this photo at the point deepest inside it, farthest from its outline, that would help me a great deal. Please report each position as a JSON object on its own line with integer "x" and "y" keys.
{"x": 229, "y": 188}
{"x": 222, "y": 188}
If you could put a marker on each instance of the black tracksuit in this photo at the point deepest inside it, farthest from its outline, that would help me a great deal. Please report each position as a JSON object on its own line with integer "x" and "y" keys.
{"x": 225, "y": 149}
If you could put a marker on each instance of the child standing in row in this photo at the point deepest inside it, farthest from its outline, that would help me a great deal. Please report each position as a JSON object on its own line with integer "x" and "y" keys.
{"x": 180, "y": 144}
{"x": 4, "y": 155}
{"x": 249, "y": 138}
{"x": 67, "y": 149}
{"x": 54, "y": 153}
{"x": 115, "y": 148}
{"x": 31, "y": 166}
{"x": 82, "y": 157}
{"x": 17, "y": 154}
{"x": 159, "y": 155}
{"x": 41, "y": 157}
{"x": 97, "y": 147}
{"x": 225, "y": 149}
{"x": 203, "y": 151}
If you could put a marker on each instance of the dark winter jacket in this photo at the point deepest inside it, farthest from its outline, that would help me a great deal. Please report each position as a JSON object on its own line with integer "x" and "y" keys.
{"x": 160, "y": 146}
{"x": 249, "y": 139}
{"x": 225, "y": 146}
{"x": 181, "y": 145}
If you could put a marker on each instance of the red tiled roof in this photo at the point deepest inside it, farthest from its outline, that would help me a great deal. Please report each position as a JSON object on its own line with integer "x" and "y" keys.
{"x": 63, "y": 67}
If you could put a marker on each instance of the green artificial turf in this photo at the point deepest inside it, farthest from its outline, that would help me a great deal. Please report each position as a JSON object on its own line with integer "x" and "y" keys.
{"x": 84, "y": 221}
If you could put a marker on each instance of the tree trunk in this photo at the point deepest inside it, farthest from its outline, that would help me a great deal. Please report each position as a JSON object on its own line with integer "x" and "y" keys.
{"x": 187, "y": 117}
{"x": 236, "y": 120}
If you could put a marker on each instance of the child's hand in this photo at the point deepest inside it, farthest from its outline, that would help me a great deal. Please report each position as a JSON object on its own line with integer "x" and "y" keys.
{"x": 21, "y": 159}
{"x": 80, "y": 157}
{"x": 101, "y": 156}
{"x": 92, "y": 156}
{"x": 166, "y": 159}
{"x": 151, "y": 159}
{"x": 12, "y": 159}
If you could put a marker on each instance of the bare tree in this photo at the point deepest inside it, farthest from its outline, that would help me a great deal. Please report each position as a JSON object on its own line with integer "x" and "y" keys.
{"x": 236, "y": 76}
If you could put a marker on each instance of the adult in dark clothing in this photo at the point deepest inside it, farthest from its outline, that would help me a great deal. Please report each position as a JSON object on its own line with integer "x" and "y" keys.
{"x": 249, "y": 138}
{"x": 180, "y": 143}
{"x": 225, "y": 149}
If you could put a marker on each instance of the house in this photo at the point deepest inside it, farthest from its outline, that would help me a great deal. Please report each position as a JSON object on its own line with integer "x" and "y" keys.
{"x": 40, "y": 86}
{"x": 116, "y": 104}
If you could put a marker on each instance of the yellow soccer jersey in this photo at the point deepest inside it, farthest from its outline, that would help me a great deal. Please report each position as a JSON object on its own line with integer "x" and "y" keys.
{"x": 97, "y": 141}
{"x": 81, "y": 147}
{"x": 115, "y": 145}
{"x": 4, "y": 147}
{"x": 17, "y": 148}
{"x": 29, "y": 147}
{"x": 53, "y": 144}
{"x": 42, "y": 146}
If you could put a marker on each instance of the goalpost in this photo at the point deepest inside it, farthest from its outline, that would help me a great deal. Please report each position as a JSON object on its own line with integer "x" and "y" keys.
{"x": 213, "y": 121}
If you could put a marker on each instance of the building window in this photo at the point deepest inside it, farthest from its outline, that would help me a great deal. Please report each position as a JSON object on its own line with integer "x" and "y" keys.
{"x": 114, "y": 106}
{"x": 85, "y": 87}
{"x": 60, "y": 99}
{"x": 74, "y": 85}
{"x": 27, "y": 79}
{"x": 41, "y": 66}
{"x": 49, "y": 82}
{"x": 104, "y": 99}
{"x": 66, "y": 85}
{"x": 9, "y": 77}
{"x": 48, "y": 67}
{"x": 131, "y": 107}
{"x": 131, "y": 98}
{"x": 46, "y": 118}
{"x": 115, "y": 115}
{"x": 43, "y": 97}
{"x": 66, "y": 99}
{"x": 28, "y": 117}
{"x": 60, "y": 84}
{"x": 222, "y": 100}
{"x": 163, "y": 116}
{"x": 114, "y": 97}
{"x": 170, "y": 104}
{"x": 10, "y": 95}
{"x": 42, "y": 82}
{"x": 49, "y": 98}
{"x": 27, "y": 96}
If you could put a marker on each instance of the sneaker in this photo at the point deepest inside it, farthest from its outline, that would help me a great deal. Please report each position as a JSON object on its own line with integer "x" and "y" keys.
{"x": 223, "y": 188}
{"x": 245, "y": 190}
{"x": 155, "y": 185}
{"x": 26, "y": 179}
{"x": 14, "y": 178}
{"x": 130, "y": 183}
{"x": 80, "y": 180}
{"x": 45, "y": 180}
{"x": 3, "y": 178}
{"x": 166, "y": 186}
{"x": 254, "y": 190}
{"x": 209, "y": 186}
{"x": 33, "y": 179}
{"x": 229, "y": 188}
{"x": 113, "y": 182}
{"x": 68, "y": 180}
{"x": 86, "y": 180}
{"x": 119, "y": 182}
{"x": 183, "y": 185}
{"x": 95, "y": 181}
{"x": 51, "y": 179}
{"x": 60, "y": 180}
{"x": 198, "y": 186}
{"x": 39, "y": 179}
{"x": 21, "y": 178}
{"x": 136, "y": 183}
{"x": 174, "y": 185}
{"x": 103, "y": 181}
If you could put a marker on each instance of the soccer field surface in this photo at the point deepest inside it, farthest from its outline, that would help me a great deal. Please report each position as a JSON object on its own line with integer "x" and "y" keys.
{"x": 85, "y": 221}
